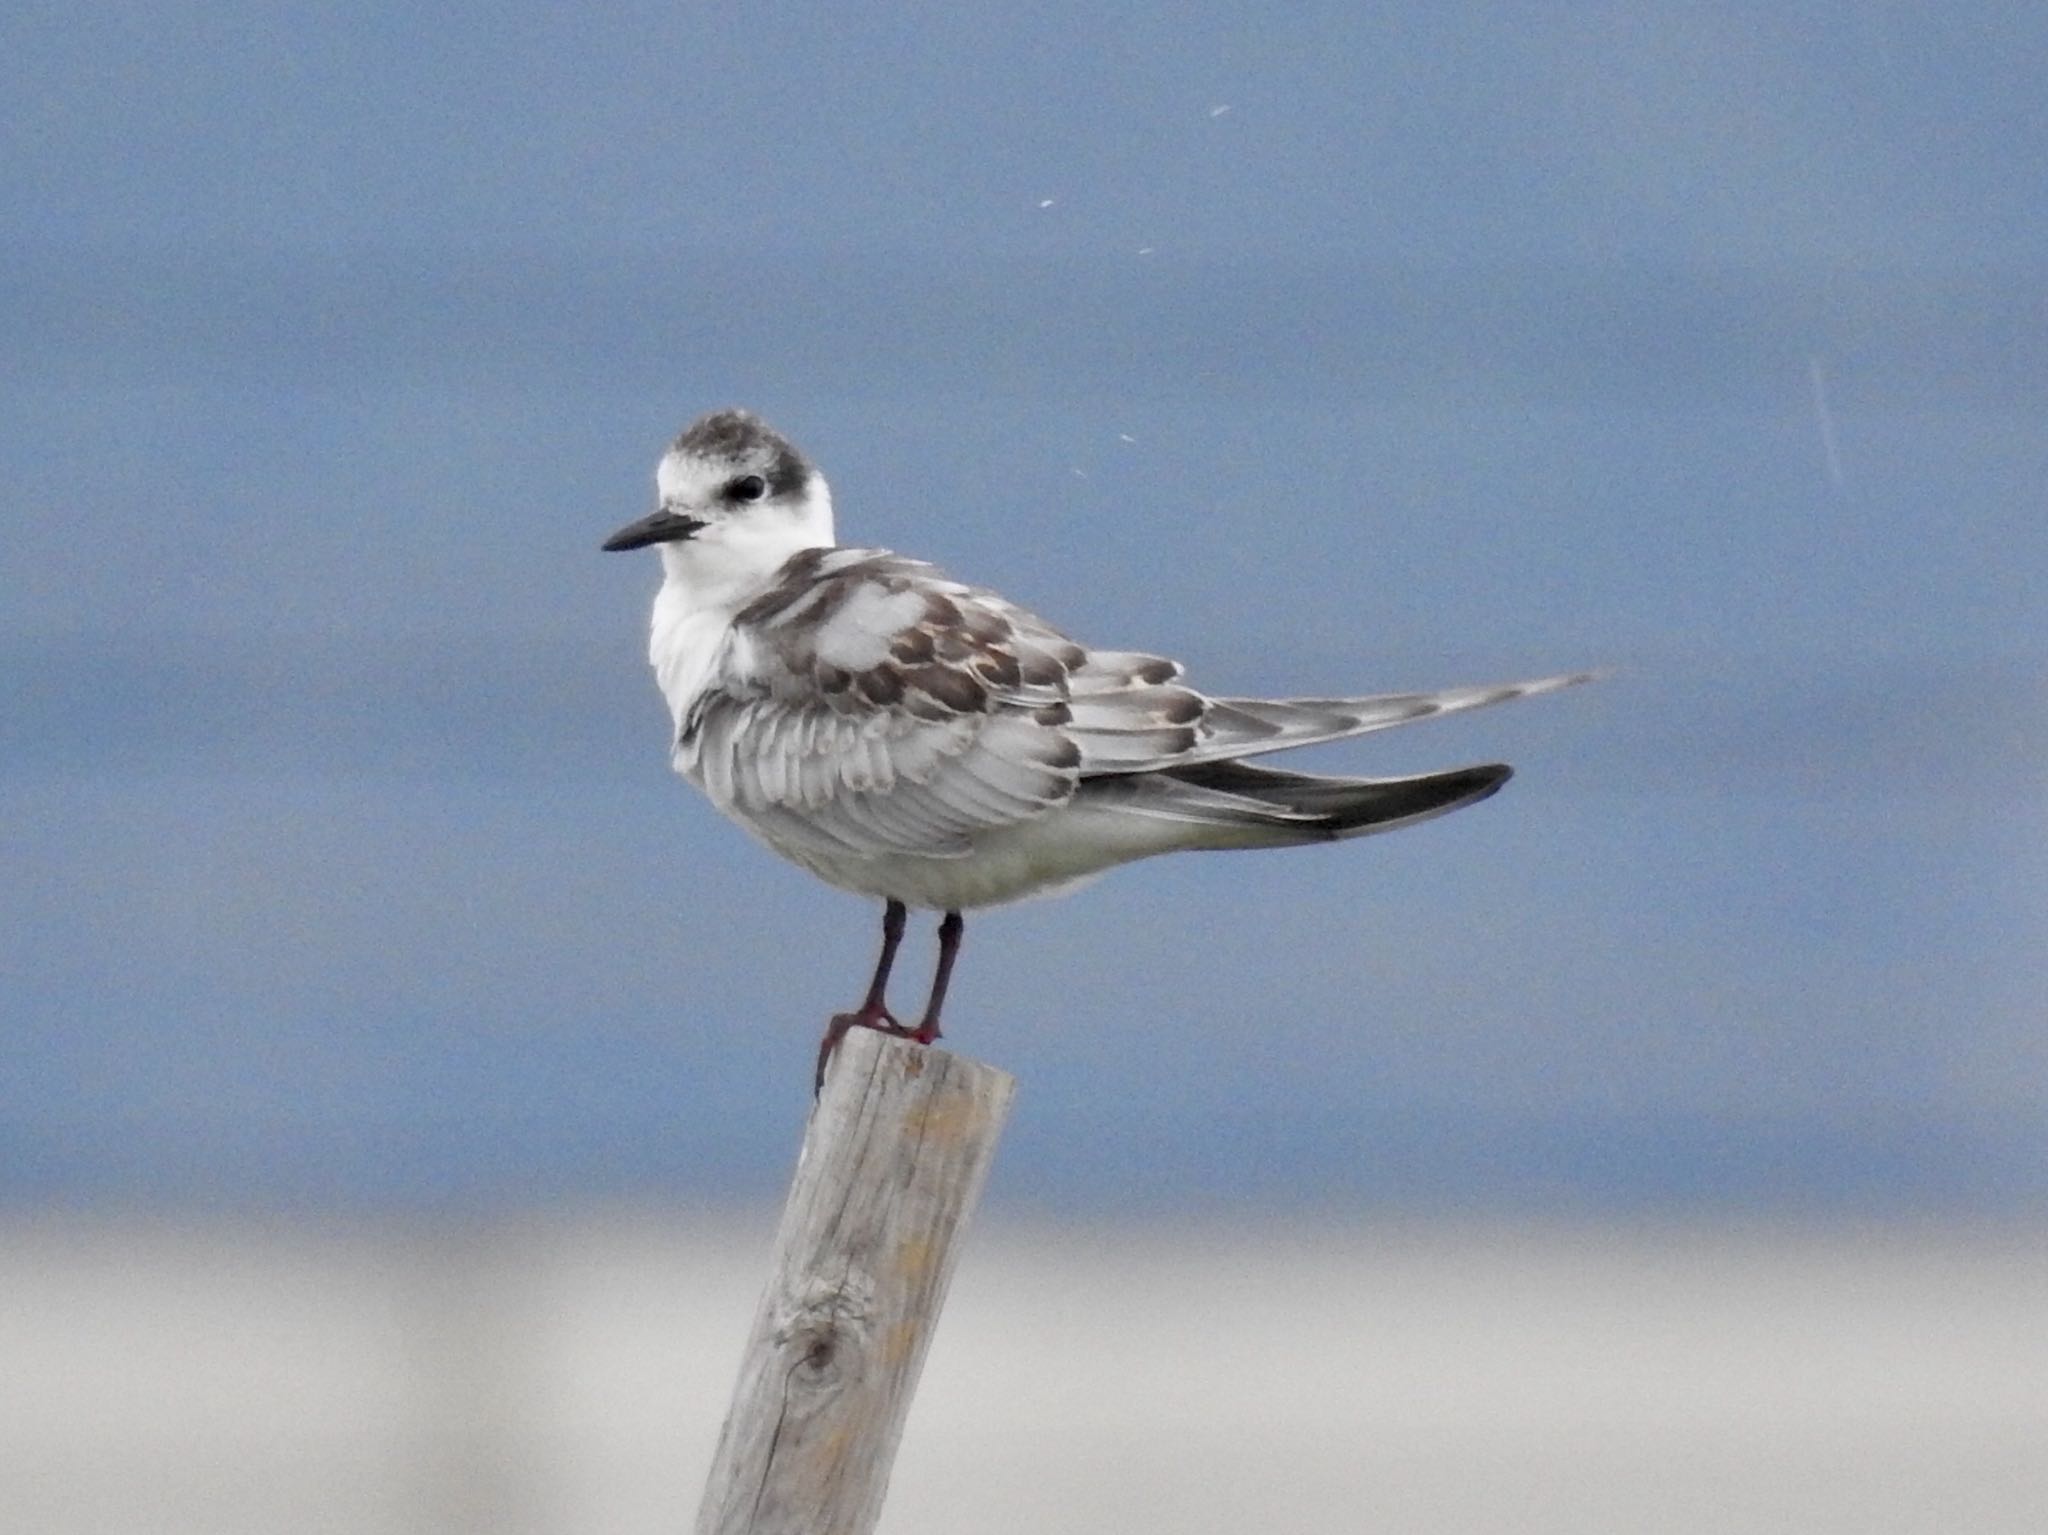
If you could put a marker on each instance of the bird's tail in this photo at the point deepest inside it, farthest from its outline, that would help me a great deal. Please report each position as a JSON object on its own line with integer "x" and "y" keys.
{"x": 1251, "y": 727}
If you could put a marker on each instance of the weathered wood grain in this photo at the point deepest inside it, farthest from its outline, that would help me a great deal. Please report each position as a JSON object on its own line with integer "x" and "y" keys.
{"x": 898, "y": 1148}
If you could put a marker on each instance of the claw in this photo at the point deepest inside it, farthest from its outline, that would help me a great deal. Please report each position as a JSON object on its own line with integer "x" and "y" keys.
{"x": 878, "y": 1018}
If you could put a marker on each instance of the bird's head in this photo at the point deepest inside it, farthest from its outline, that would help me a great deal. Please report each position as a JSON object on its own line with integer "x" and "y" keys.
{"x": 734, "y": 499}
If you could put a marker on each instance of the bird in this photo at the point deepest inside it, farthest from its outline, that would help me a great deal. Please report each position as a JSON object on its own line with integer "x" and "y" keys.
{"x": 931, "y": 744}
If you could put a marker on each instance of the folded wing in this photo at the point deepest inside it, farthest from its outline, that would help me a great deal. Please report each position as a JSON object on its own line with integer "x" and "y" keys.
{"x": 867, "y": 704}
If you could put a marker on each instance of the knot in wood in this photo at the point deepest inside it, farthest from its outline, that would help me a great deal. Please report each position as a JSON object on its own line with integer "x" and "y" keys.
{"x": 825, "y": 1332}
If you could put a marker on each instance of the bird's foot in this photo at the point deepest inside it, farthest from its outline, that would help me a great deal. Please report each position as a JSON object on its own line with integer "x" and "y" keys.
{"x": 868, "y": 1016}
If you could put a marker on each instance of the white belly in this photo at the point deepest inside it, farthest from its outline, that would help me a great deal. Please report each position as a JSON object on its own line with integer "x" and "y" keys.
{"x": 1051, "y": 855}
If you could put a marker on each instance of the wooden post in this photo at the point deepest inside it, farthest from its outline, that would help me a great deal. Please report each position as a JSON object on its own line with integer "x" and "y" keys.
{"x": 898, "y": 1148}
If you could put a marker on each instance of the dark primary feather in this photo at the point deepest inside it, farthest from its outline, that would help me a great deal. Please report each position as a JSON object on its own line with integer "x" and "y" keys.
{"x": 1342, "y": 807}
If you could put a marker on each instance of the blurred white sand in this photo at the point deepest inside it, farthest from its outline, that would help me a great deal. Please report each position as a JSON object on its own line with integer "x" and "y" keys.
{"x": 569, "y": 1375}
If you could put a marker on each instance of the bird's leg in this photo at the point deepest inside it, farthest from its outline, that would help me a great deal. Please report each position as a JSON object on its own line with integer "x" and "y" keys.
{"x": 873, "y": 1013}
{"x": 949, "y": 949}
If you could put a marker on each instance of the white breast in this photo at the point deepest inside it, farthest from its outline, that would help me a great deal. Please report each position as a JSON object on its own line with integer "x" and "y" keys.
{"x": 684, "y": 647}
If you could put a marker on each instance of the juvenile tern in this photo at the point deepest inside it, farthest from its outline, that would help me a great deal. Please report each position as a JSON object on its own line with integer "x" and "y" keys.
{"x": 907, "y": 736}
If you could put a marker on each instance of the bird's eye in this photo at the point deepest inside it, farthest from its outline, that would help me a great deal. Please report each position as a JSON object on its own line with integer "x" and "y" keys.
{"x": 748, "y": 487}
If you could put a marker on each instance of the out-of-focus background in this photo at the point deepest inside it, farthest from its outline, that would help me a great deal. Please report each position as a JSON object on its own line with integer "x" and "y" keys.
{"x": 401, "y": 1068}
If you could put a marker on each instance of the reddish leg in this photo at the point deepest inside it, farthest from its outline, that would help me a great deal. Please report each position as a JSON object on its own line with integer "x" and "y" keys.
{"x": 950, "y": 931}
{"x": 873, "y": 1013}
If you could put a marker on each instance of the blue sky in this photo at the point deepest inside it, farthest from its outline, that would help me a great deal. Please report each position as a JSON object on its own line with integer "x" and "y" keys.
{"x": 1321, "y": 346}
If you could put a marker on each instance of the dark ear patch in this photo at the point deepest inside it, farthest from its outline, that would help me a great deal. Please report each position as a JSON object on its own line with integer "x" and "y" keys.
{"x": 787, "y": 472}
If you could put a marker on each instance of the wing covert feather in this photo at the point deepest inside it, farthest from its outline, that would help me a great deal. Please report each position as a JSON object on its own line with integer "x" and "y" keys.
{"x": 870, "y": 703}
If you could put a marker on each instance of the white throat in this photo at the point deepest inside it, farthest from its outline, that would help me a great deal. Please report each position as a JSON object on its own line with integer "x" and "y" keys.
{"x": 707, "y": 579}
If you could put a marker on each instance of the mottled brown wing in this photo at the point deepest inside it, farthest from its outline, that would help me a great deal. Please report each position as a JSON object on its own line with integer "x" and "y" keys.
{"x": 867, "y": 705}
